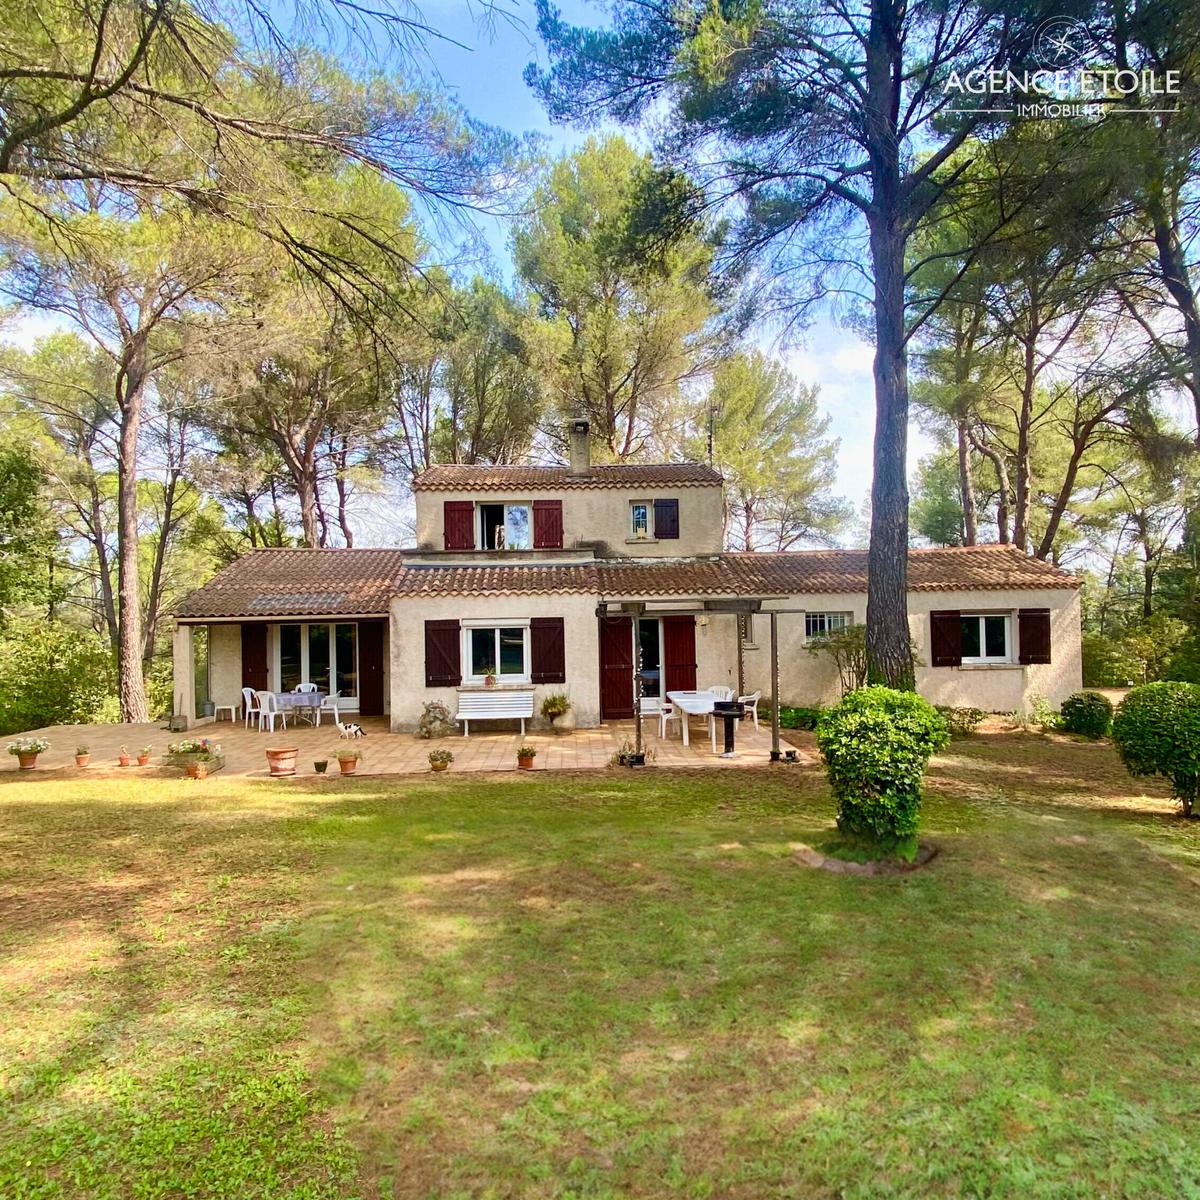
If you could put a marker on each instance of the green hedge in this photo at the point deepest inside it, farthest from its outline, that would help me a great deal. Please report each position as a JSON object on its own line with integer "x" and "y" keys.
{"x": 1157, "y": 732}
{"x": 876, "y": 744}
{"x": 799, "y": 717}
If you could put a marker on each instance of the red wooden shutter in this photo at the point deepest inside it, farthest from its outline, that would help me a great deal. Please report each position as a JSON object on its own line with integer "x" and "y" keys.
{"x": 254, "y": 657}
{"x": 666, "y": 518}
{"x": 442, "y": 662}
{"x": 679, "y": 653}
{"x": 616, "y": 668}
{"x": 547, "y": 525}
{"x": 547, "y": 650}
{"x": 945, "y": 639}
{"x": 1033, "y": 634}
{"x": 458, "y": 520}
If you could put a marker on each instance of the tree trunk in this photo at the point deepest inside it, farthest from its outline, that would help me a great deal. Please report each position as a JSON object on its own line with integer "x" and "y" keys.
{"x": 1024, "y": 497}
{"x": 997, "y": 460}
{"x": 1173, "y": 268}
{"x": 341, "y": 460}
{"x": 889, "y": 656}
{"x": 131, "y": 684}
{"x": 966, "y": 485}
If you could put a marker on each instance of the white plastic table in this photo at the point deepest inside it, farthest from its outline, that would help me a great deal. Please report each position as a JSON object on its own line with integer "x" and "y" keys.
{"x": 303, "y": 704}
{"x": 696, "y": 704}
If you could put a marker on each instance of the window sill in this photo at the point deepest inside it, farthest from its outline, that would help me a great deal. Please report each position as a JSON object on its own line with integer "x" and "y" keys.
{"x": 511, "y": 686}
{"x": 636, "y": 541}
{"x": 990, "y": 666}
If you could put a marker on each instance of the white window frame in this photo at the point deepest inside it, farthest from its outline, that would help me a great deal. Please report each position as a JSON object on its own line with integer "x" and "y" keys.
{"x": 648, "y": 535}
{"x": 469, "y": 624}
{"x": 847, "y": 619}
{"x": 481, "y": 533}
{"x": 276, "y": 671}
{"x": 984, "y": 659}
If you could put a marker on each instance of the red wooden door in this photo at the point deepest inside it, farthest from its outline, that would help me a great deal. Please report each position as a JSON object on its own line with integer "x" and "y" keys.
{"x": 616, "y": 668}
{"x": 254, "y": 657}
{"x": 370, "y": 668}
{"x": 679, "y": 654}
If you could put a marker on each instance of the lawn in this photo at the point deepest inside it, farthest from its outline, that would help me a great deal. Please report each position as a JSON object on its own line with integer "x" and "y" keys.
{"x": 598, "y": 985}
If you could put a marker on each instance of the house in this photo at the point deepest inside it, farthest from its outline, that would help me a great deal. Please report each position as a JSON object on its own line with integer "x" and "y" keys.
{"x": 559, "y": 578}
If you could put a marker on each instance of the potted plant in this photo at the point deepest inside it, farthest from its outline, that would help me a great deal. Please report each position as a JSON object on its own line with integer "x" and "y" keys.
{"x": 348, "y": 759}
{"x": 556, "y": 708}
{"x": 197, "y": 755}
{"x": 321, "y": 765}
{"x": 281, "y": 760}
{"x": 489, "y": 675}
{"x": 123, "y": 758}
{"x": 525, "y": 757}
{"x": 82, "y": 756}
{"x": 439, "y": 760}
{"x": 143, "y": 757}
{"x": 27, "y": 751}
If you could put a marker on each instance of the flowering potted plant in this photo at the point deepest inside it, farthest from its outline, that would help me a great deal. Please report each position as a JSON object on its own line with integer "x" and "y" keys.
{"x": 525, "y": 757}
{"x": 143, "y": 757}
{"x": 27, "y": 751}
{"x": 123, "y": 759}
{"x": 197, "y": 755}
{"x": 348, "y": 759}
{"x": 488, "y": 671}
{"x": 439, "y": 760}
{"x": 82, "y": 756}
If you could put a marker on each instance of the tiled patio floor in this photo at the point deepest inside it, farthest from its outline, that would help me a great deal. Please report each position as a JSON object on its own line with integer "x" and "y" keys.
{"x": 388, "y": 753}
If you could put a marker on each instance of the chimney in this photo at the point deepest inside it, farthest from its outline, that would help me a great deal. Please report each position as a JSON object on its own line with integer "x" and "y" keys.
{"x": 581, "y": 449}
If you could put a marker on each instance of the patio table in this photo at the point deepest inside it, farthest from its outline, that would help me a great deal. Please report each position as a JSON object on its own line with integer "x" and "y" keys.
{"x": 696, "y": 704}
{"x": 302, "y": 704}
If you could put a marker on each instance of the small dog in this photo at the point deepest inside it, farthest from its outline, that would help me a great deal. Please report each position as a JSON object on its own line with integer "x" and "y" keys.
{"x": 351, "y": 730}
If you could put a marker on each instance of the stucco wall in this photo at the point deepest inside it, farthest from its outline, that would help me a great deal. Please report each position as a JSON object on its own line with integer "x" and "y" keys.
{"x": 598, "y": 515}
{"x": 407, "y": 648}
{"x": 808, "y": 679}
{"x": 225, "y": 664}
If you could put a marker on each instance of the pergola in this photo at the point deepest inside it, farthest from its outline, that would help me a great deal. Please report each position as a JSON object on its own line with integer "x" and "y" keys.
{"x": 737, "y": 606}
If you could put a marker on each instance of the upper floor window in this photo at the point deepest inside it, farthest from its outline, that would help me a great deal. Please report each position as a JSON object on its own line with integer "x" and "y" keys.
{"x": 505, "y": 527}
{"x": 986, "y": 637}
{"x": 822, "y": 624}
{"x": 639, "y": 516}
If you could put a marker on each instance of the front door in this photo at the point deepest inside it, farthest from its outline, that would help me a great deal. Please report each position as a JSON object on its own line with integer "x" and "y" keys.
{"x": 616, "y": 668}
{"x": 370, "y": 668}
{"x": 254, "y": 657}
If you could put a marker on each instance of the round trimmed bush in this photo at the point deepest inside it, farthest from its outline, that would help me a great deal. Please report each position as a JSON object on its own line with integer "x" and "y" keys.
{"x": 876, "y": 744}
{"x": 1157, "y": 732}
{"x": 1088, "y": 713}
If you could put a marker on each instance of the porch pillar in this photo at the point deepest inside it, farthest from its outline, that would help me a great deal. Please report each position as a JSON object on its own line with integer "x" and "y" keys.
{"x": 184, "y": 663}
{"x": 775, "y": 755}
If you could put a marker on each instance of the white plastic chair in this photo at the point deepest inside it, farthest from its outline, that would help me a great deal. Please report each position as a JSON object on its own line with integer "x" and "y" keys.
{"x": 751, "y": 703}
{"x": 329, "y": 704}
{"x": 306, "y": 688}
{"x": 721, "y": 693}
{"x": 668, "y": 712}
{"x": 268, "y": 710}
{"x": 250, "y": 704}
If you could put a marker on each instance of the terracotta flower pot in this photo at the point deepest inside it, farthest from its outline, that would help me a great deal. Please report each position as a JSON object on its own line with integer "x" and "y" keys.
{"x": 282, "y": 759}
{"x": 143, "y": 760}
{"x": 525, "y": 763}
{"x": 348, "y": 765}
{"x": 27, "y": 762}
{"x": 123, "y": 760}
{"x": 193, "y": 770}
{"x": 198, "y": 770}
{"x": 82, "y": 760}
{"x": 438, "y": 766}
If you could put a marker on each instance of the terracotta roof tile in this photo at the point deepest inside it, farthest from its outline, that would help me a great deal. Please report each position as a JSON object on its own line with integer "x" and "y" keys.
{"x": 450, "y": 477}
{"x": 268, "y": 583}
{"x": 298, "y": 583}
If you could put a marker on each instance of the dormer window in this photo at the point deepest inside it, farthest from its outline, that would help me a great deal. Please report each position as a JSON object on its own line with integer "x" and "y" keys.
{"x": 505, "y": 527}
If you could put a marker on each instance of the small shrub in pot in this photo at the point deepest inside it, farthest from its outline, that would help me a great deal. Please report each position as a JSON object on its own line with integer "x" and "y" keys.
{"x": 525, "y": 757}
{"x": 1088, "y": 713}
{"x": 439, "y": 760}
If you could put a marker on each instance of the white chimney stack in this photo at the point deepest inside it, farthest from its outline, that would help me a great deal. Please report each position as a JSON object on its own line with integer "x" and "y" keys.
{"x": 581, "y": 448}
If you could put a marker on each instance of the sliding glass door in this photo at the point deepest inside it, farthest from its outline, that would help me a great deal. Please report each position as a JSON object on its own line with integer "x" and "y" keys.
{"x": 324, "y": 654}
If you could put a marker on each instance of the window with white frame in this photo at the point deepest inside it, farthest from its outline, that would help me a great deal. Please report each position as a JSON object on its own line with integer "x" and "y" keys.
{"x": 822, "y": 624}
{"x": 505, "y": 527}
{"x": 639, "y": 519}
{"x": 986, "y": 637}
{"x": 496, "y": 648}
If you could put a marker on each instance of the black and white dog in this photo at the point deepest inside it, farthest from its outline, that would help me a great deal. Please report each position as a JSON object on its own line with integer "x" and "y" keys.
{"x": 351, "y": 730}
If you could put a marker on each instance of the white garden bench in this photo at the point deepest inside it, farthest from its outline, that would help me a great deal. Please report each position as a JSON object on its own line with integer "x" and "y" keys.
{"x": 507, "y": 704}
